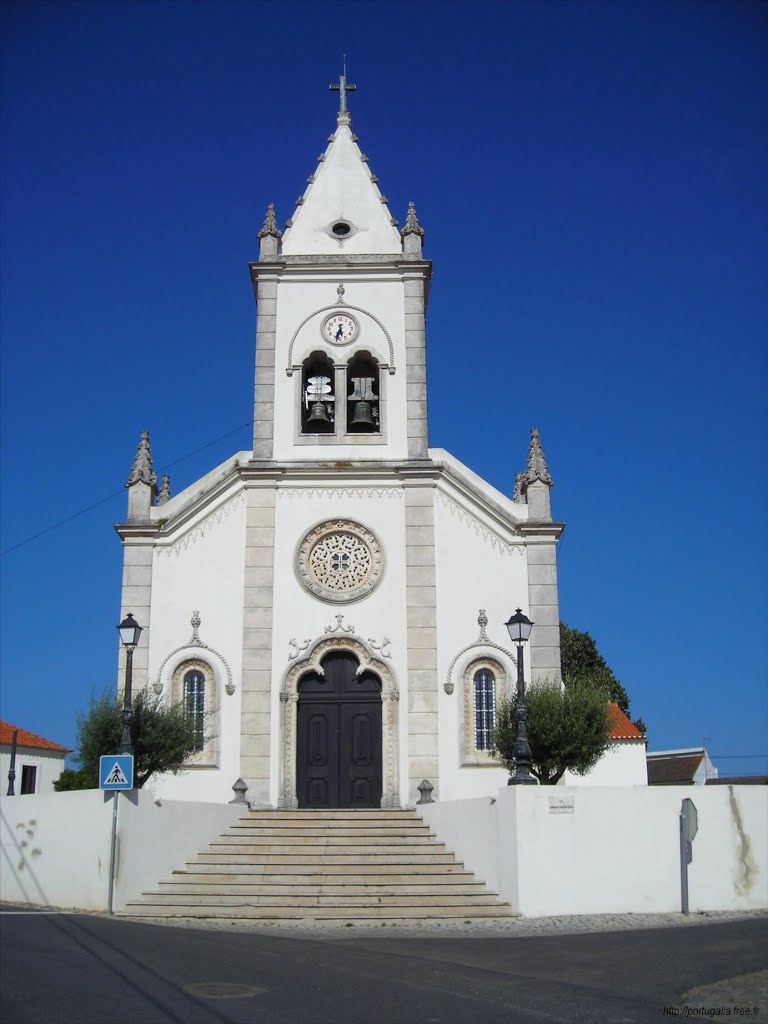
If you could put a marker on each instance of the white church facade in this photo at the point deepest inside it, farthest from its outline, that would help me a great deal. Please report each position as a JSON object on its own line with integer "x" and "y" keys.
{"x": 330, "y": 605}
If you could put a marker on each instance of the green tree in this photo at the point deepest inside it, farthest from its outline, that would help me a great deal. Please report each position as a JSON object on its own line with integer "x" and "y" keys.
{"x": 582, "y": 662}
{"x": 72, "y": 778}
{"x": 161, "y": 736}
{"x": 567, "y": 729}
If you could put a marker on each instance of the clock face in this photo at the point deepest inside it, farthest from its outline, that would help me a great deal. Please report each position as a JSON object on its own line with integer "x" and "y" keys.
{"x": 340, "y": 328}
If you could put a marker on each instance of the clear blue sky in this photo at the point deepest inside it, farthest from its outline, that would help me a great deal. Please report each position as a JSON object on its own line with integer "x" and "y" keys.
{"x": 590, "y": 176}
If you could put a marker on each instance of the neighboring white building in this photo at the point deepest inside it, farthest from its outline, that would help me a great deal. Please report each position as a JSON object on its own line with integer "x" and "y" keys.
{"x": 623, "y": 764}
{"x": 331, "y": 604}
{"x": 689, "y": 766}
{"x": 39, "y": 762}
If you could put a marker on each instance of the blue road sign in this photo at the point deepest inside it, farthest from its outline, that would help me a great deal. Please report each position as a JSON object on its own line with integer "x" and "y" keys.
{"x": 116, "y": 771}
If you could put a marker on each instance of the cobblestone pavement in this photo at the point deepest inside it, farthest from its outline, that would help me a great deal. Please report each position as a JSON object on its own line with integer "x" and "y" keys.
{"x": 745, "y": 990}
{"x": 512, "y": 926}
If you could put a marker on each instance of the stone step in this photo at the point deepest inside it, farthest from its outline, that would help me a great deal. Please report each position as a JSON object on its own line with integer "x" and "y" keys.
{"x": 194, "y": 888}
{"x": 351, "y": 813}
{"x": 320, "y": 900}
{"x": 327, "y": 913}
{"x": 324, "y": 840}
{"x": 315, "y": 830}
{"x": 312, "y": 857}
{"x": 331, "y": 871}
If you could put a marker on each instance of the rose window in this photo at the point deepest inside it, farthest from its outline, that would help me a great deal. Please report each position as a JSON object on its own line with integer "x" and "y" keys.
{"x": 339, "y": 561}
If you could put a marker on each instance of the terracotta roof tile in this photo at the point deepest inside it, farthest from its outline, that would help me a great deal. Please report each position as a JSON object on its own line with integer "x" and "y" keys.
{"x": 620, "y": 727}
{"x": 27, "y": 739}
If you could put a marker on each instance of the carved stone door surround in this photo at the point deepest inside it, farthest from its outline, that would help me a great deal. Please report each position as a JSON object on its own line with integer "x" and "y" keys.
{"x": 289, "y": 699}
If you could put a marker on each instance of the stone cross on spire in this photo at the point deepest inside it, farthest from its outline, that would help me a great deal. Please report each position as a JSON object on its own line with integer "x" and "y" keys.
{"x": 343, "y": 88}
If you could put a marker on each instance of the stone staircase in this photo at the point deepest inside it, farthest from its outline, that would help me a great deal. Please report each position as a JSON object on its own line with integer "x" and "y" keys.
{"x": 344, "y": 866}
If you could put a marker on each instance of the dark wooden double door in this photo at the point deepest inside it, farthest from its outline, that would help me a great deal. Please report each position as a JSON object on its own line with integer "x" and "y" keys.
{"x": 338, "y": 747}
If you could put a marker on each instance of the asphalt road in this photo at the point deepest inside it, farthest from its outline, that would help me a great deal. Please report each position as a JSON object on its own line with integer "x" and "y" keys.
{"x": 84, "y": 969}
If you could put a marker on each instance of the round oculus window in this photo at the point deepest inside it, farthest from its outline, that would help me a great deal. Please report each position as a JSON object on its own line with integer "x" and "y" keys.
{"x": 339, "y": 561}
{"x": 341, "y": 229}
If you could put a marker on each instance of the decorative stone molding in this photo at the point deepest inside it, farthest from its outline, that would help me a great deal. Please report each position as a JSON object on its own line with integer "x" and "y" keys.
{"x": 214, "y": 517}
{"x": 471, "y": 756}
{"x": 289, "y": 700}
{"x": 498, "y": 543}
{"x": 483, "y": 641}
{"x": 208, "y": 756}
{"x": 327, "y": 493}
{"x": 193, "y": 645}
{"x": 358, "y": 309}
{"x": 339, "y": 561}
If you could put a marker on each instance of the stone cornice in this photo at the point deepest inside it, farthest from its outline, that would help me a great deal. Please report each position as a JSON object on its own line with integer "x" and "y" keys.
{"x": 541, "y": 529}
{"x": 136, "y": 531}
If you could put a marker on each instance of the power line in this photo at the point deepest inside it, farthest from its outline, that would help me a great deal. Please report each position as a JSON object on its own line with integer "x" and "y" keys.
{"x": 109, "y": 497}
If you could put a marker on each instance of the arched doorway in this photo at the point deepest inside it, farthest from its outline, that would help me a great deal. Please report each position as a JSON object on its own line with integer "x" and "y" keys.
{"x": 338, "y": 748}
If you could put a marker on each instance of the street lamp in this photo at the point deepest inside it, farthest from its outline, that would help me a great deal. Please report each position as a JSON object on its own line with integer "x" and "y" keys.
{"x": 129, "y": 631}
{"x": 519, "y": 627}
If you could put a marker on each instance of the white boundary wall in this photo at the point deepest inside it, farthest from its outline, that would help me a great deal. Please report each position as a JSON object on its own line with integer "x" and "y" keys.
{"x": 54, "y": 848}
{"x": 562, "y": 850}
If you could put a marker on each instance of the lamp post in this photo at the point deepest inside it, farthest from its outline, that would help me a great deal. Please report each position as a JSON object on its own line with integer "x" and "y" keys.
{"x": 519, "y": 627}
{"x": 129, "y": 631}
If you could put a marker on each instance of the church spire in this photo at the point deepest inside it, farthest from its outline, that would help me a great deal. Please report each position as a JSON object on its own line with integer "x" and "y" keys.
{"x": 269, "y": 236}
{"x": 141, "y": 482}
{"x": 537, "y": 480}
{"x": 536, "y": 469}
{"x": 412, "y": 233}
{"x": 141, "y": 470}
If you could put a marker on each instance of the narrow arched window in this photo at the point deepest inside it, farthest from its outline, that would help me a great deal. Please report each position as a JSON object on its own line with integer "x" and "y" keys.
{"x": 194, "y": 705}
{"x": 318, "y": 402}
{"x": 363, "y": 412}
{"x": 484, "y": 709}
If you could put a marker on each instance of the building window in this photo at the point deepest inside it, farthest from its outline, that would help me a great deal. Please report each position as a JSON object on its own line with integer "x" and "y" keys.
{"x": 484, "y": 684}
{"x": 484, "y": 709}
{"x": 28, "y": 779}
{"x": 194, "y": 687}
{"x": 194, "y": 706}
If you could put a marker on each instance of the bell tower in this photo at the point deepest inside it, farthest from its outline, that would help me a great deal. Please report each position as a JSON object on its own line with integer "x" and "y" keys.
{"x": 341, "y": 298}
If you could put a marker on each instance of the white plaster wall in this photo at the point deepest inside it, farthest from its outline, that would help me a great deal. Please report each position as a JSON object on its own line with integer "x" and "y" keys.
{"x": 299, "y": 615}
{"x": 476, "y": 568}
{"x": 381, "y": 295}
{"x": 179, "y": 830}
{"x": 616, "y": 852}
{"x": 49, "y": 766}
{"x": 202, "y": 569}
{"x": 54, "y": 849}
{"x": 623, "y": 764}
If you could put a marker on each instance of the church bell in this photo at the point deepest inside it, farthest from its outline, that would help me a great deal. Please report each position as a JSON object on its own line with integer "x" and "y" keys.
{"x": 362, "y": 417}
{"x": 318, "y": 418}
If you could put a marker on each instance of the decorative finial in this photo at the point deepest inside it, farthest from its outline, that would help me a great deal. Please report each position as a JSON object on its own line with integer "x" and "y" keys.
{"x": 482, "y": 621}
{"x": 537, "y": 466}
{"x": 518, "y": 494}
{"x": 340, "y": 292}
{"x": 412, "y": 226}
{"x": 141, "y": 470}
{"x": 342, "y": 89}
{"x": 164, "y": 494}
{"x": 195, "y": 623}
{"x": 269, "y": 226}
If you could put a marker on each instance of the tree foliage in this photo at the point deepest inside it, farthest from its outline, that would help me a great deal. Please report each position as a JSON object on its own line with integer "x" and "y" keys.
{"x": 567, "y": 729}
{"x": 582, "y": 662}
{"x": 161, "y": 736}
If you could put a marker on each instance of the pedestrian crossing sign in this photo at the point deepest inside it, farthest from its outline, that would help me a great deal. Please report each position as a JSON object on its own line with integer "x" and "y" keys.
{"x": 116, "y": 771}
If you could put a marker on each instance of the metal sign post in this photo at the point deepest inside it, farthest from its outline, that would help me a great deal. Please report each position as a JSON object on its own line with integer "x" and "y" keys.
{"x": 115, "y": 773}
{"x": 689, "y": 826}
